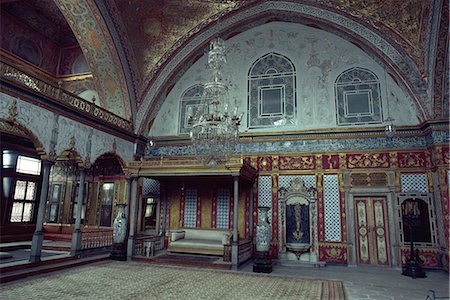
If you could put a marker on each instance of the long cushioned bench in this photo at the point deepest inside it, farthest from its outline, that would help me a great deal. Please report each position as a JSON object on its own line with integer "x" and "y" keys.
{"x": 200, "y": 241}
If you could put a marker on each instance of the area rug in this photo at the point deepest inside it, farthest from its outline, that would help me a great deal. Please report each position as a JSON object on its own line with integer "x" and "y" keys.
{"x": 122, "y": 280}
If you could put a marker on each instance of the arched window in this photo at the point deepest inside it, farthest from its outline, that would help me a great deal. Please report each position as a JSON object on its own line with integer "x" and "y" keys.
{"x": 189, "y": 101}
{"x": 358, "y": 98}
{"x": 271, "y": 92}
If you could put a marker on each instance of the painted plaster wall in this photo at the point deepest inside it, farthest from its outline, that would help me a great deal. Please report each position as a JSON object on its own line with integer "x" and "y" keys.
{"x": 50, "y": 128}
{"x": 319, "y": 57}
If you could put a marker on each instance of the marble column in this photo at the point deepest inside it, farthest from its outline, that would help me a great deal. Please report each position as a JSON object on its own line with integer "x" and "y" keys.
{"x": 127, "y": 198}
{"x": 234, "y": 246}
{"x": 132, "y": 218}
{"x": 38, "y": 236}
{"x": 76, "y": 235}
{"x": 250, "y": 221}
{"x": 139, "y": 215}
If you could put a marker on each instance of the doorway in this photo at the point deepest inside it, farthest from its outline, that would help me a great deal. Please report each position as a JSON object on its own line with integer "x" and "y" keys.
{"x": 372, "y": 240}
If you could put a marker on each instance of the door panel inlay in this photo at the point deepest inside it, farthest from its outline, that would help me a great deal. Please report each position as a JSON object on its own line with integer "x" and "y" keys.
{"x": 371, "y": 220}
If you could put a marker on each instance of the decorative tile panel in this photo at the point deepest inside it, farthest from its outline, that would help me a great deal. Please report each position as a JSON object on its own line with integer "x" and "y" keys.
{"x": 414, "y": 183}
{"x": 150, "y": 186}
{"x": 264, "y": 163}
{"x": 223, "y": 208}
{"x": 309, "y": 180}
{"x": 332, "y": 214}
{"x": 190, "y": 208}
{"x": 265, "y": 193}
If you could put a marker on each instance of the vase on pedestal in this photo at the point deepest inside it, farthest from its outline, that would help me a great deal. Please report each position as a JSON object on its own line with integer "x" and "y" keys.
{"x": 262, "y": 263}
{"x": 119, "y": 234}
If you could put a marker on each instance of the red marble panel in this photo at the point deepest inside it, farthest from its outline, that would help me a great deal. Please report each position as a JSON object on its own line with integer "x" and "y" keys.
{"x": 182, "y": 200}
{"x": 214, "y": 210}
{"x": 428, "y": 256}
{"x": 333, "y": 253}
{"x": 247, "y": 214}
{"x": 330, "y": 161}
{"x": 445, "y": 152}
{"x": 274, "y": 244}
{"x": 198, "y": 219}
{"x": 320, "y": 209}
{"x": 343, "y": 217}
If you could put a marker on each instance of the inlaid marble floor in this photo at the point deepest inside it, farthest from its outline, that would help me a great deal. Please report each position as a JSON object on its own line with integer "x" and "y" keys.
{"x": 373, "y": 282}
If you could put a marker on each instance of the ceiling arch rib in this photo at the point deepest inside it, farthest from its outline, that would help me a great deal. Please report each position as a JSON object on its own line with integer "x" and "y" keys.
{"x": 93, "y": 36}
{"x": 397, "y": 62}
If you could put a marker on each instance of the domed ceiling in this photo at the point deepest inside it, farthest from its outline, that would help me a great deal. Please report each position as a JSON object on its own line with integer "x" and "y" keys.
{"x": 135, "y": 49}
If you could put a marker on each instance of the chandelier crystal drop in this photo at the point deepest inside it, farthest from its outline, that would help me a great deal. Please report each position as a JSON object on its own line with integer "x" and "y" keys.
{"x": 215, "y": 126}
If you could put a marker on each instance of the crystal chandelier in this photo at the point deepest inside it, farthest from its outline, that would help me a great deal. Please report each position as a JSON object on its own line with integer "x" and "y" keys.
{"x": 215, "y": 130}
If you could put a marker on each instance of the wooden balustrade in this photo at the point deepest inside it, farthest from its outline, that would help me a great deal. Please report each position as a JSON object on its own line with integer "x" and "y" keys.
{"x": 13, "y": 75}
{"x": 148, "y": 245}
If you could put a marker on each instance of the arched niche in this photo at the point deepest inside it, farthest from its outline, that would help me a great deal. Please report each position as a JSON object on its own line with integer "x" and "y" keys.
{"x": 298, "y": 223}
{"x": 107, "y": 186}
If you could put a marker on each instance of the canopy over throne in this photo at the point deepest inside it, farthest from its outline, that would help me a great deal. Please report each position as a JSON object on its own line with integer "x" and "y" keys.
{"x": 298, "y": 223}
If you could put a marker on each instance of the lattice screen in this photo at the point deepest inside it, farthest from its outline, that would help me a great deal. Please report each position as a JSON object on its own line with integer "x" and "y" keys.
{"x": 414, "y": 183}
{"x": 150, "y": 186}
{"x": 223, "y": 208}
{"x": 265, "y": 193}
{"x": 190, "y": 208}
{"x": 332, "y": 208}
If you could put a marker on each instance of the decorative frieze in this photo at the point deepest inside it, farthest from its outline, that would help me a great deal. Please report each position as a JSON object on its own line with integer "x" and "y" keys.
{"x": 368, "y": 160}
{"x": 412, "y": 159}
{"x": 304, "y": 162}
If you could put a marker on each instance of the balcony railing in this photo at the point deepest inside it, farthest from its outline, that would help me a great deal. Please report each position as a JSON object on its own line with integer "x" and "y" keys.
{"x": 9, "y": 73}
{"x": 91, "y": 239}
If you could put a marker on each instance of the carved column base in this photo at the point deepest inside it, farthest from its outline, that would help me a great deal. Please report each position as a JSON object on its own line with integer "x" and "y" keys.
{"x": 262, "y": 263}
{"x": 119, "y": 251}
{"x": 413, "y": 269}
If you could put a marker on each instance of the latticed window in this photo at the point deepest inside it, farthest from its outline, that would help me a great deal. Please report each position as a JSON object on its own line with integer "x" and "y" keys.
{"x": 190, "y": 208}
{"x": 223, "y": 208}
{"x": 358, "y": 99}
{"x": 24, "y": 201}
{"x": 190, "y": 101}
{"x": 271, "y": 92}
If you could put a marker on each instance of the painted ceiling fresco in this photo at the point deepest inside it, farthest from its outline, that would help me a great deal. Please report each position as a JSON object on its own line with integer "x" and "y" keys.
{"x": 128, "y": 42}
{"x": 155, "y": 28}
{"x": 45, "y": 18}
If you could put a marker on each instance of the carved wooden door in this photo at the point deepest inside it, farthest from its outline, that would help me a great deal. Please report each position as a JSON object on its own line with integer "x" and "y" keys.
{"x": 371, "y": 231}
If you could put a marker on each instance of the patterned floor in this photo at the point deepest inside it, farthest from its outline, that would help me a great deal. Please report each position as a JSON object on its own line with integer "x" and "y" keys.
{"x": 121, "y": 280}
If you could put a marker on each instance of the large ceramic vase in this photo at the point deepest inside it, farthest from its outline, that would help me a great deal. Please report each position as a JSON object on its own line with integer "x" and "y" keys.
{"x": 263, "y": 263}
{"x": 263, "y": 232}
{"x": 119, "y": 234}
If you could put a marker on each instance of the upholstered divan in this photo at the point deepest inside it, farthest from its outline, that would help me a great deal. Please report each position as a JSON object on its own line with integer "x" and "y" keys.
{"x": 200, "y": 241}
